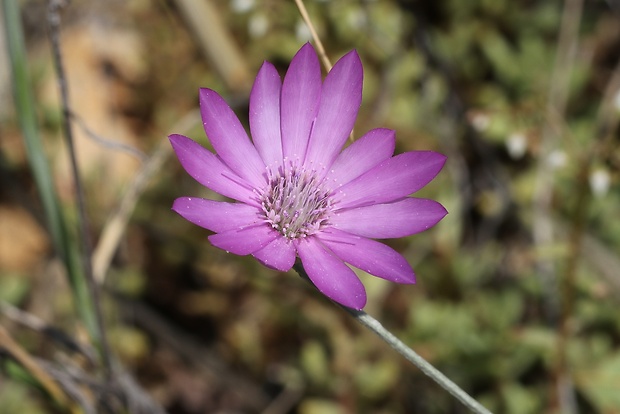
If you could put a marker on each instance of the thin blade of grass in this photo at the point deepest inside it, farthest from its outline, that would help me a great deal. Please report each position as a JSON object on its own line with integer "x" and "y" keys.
{"x": 39, "y": 165}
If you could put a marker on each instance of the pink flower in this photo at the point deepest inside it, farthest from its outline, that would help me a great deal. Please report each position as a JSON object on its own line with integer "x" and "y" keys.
{"x": 297, "y": 194}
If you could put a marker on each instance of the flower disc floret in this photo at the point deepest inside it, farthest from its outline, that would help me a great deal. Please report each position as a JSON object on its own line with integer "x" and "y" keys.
{"x": 295, "y": 203}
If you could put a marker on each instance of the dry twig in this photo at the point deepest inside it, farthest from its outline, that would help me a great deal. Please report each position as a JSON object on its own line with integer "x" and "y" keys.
{"x": 25, "y": 360}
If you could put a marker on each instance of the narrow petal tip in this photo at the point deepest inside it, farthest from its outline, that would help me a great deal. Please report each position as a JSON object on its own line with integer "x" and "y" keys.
{"x": 357, "y": 303}
{"x": 330, "y": 275}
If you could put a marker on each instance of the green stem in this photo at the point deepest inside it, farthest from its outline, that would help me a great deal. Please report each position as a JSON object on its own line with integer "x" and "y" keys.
{"x": 37, "y": 159}
{"x": 409, "y": 354}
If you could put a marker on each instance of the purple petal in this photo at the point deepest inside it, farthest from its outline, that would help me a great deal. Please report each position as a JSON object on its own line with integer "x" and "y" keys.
{"x": 210, "y": 171}
{"x": 265, "y": 115}
{"x": 216, "y": 216}
{"x": 229, "y": 139}
{"x": 385, "y": 221}
{"x": 330, "y": 275}
{"x": 340, "y": 101}
{"x": 369, "y": 255}
{"x": 392, "y": 179}
{"x": 279, "y": 254}
{"x": 301, "y": 92}
{"x": 375, "y": 146}
{"x": 246, "y": 240}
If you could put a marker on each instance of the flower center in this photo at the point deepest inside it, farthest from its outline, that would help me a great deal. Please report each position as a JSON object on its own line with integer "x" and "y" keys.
{"x": 294, "y": 203}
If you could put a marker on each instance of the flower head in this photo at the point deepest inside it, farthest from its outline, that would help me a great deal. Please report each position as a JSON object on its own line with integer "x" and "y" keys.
{"x": 296, "y": 192}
